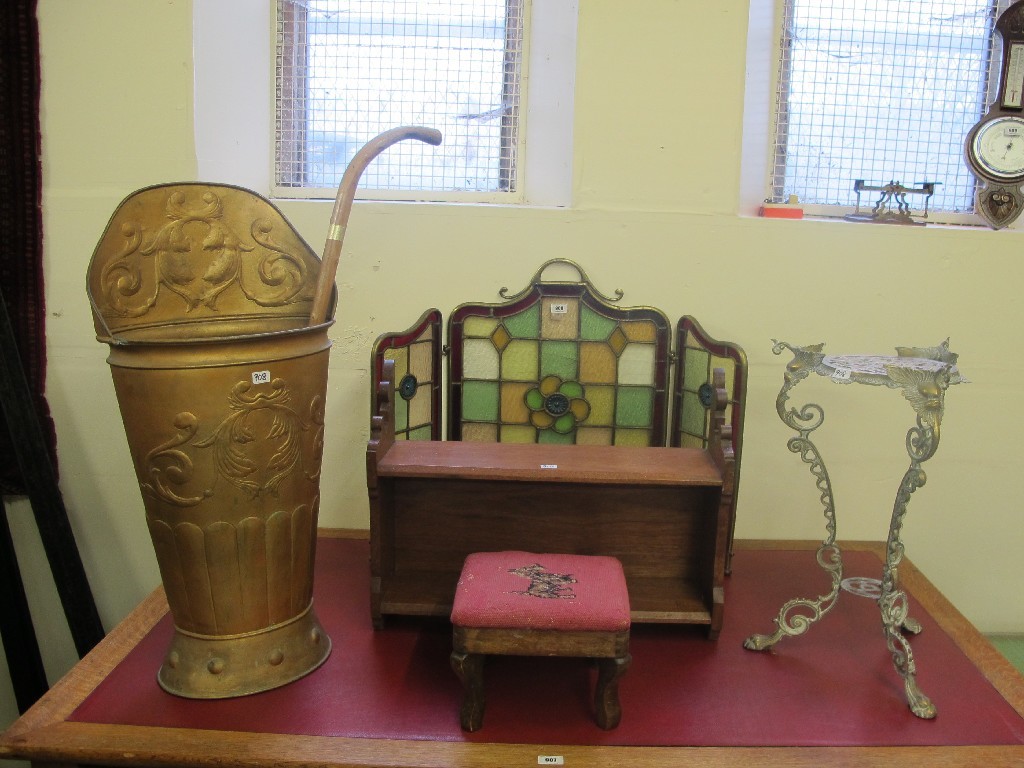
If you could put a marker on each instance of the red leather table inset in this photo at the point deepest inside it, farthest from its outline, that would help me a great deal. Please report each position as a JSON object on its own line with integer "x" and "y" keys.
{"x": 835, "y": 686}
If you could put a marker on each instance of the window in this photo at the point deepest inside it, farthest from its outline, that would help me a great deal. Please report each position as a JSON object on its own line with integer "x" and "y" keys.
{"x": 881, "y": 90}
{"x": 347, "y": 70}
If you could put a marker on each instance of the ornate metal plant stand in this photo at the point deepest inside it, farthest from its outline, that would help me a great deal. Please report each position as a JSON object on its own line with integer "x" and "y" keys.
{"x": 923, "y": 375}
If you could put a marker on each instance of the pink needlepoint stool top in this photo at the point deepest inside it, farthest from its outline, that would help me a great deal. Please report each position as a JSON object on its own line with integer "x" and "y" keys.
{"x": 504, "y": 590}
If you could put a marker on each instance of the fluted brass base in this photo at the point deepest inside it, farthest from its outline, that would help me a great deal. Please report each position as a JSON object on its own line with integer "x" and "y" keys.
{"x": 205, "y": 667}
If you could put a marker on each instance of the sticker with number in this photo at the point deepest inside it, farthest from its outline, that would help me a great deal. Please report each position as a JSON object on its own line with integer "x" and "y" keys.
{"x": 261, "y": 377}
{"x": 559, "y": 308}
{"x": 549, "y": 466}
{"x": 842, "y": 374}
{"x": 550, "y": 760}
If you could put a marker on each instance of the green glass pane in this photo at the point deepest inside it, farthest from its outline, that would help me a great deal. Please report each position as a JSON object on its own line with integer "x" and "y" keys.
{"x": 695, "y": 365}
{"x": 594, "y": 327}
{"x": 480, "y": 400}
{"x": 479, "y": 326}
{"x": 519, "y": 361}
{"x": 559, "y": 358}
{"x": 564, "y": 424}
{"x": 571, "y": 389}
{"x": 690, "y": 441}
{"x": 401, "y": 415}
{"x": 420, "y": 433}
{"x": 635, "y": 407}
{"x": 535, "y": 399}
{"x": 525, "y": 324}
{"x": 550, "y": 436}
{"x": 692, "y": 417}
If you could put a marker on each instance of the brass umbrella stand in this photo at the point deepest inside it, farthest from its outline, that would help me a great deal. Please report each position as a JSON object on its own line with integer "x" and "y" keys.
{"x": 216, "y": 314}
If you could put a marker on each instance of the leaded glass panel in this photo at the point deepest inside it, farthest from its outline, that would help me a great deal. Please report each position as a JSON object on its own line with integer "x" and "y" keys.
{"x": 416, "y": 399}
{"x": 559, "y": 363}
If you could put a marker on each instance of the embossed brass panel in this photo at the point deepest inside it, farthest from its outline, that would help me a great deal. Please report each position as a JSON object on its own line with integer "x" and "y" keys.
{"x": 203, "y": 293}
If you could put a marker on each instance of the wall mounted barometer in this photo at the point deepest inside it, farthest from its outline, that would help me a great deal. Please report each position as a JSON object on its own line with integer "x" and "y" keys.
{"x": 994, "y": 149}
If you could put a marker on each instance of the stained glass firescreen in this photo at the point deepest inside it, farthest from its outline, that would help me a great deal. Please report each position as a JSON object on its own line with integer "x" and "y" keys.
{"x": 558, "y": 363}
{"x": 697, "y": 355}
{"x": 417, "y": 395}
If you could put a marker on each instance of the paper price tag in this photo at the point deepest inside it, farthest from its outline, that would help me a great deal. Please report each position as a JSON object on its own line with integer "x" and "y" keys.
{"x": 842, "y": 374}
{"x": 260, "y": 377}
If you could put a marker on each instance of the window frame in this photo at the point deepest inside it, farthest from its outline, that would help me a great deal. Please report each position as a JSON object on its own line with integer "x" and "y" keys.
{"x": 766, "y": 36}
{"x": 234, "y": 104}
{"x": 516, "y": 151}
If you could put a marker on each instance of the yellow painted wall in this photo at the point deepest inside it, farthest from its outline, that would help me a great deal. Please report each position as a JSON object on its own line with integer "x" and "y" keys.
{"x": 659, "y": 96}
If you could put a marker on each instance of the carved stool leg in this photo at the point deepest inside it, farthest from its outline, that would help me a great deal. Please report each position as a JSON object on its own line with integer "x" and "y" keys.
{"x": 607, "y": 710}
{"x": 470, "y": 669}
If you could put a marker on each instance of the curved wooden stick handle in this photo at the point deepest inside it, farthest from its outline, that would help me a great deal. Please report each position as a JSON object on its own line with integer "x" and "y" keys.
{"x": 343, "y": 207}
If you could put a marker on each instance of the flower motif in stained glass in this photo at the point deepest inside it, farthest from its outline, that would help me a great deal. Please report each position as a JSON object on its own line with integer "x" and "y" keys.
{"x": 557, "y": 405}
{"x": 407, "y": 386}
{"x": 706, "y": 393}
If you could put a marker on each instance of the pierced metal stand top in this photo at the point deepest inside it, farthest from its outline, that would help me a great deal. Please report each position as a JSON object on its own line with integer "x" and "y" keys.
{"x": 923, "y": 374}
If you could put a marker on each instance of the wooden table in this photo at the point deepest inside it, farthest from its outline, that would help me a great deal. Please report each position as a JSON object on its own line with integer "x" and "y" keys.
{"x": 45, "y": 735}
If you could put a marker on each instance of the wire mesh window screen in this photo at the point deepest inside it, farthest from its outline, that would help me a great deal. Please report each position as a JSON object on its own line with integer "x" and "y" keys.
{"x": 350, "y": 69}
{"x": 881, "y": 90}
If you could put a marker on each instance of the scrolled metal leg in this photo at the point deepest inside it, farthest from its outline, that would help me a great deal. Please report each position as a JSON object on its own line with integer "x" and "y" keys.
{"x": 922, "y": 441}
{"x": 798, "y": 615}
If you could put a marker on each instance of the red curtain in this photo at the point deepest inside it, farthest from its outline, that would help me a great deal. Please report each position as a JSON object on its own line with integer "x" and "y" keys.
{"x": 21, "y": 254}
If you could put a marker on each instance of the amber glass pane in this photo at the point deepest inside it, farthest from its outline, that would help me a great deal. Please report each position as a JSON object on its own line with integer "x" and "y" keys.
{"x": 480, "y": 400}
{"x": 635, "y": 406}
{"x": 559, "y": 358}
{"x": 593, "y": 436}
{"x": 729, "y": 366}
{"x": 602, "y": 406}
{"x": 419, "y": 407}
{"x": 420, "y": 362}
{"x": 640, "y": 330}
{"x": 525, "y": 324}
{"x": 512, "y": 433}
{"x": 636, "y": 365}
{"x": 480, "y": 433}
{"x": 639, "y": 437}
{"x": 519, "y": 361}
{"x": 513, "y": 403}
{"x": 598, "y": 363}
{"x": 400, "y": 355}
{"x": 593, "y": 326}
{"x": 560, "y": 325}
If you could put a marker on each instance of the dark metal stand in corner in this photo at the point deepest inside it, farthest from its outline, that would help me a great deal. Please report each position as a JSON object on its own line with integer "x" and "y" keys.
{"x": 19, "y": 638}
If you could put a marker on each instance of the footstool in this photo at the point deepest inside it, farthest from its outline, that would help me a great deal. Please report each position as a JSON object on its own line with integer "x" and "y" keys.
{"x": 525, "y": 604}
